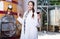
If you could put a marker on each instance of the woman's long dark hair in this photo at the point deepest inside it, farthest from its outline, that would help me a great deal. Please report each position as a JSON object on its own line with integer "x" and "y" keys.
{"x": 33, "y": 10}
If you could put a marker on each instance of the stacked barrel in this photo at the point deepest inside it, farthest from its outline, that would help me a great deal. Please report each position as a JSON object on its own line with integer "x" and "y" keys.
{"x": 4, "y": 6}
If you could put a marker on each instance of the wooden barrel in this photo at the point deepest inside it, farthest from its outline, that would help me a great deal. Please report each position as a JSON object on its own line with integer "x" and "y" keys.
{"x": 5, "y": 7}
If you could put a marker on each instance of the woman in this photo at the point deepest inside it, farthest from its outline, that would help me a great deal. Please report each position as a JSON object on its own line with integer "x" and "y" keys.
{"x": 29, "y": 23}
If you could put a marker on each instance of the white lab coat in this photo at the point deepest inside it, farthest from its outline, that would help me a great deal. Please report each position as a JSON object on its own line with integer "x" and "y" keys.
{"x": 31, "y": 26}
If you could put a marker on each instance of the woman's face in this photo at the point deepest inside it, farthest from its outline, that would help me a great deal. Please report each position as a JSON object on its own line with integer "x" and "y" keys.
{"x": 30, "y": 6}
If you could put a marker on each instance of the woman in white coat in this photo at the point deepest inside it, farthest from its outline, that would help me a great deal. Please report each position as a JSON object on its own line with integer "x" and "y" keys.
{"x": 29, "y": 23}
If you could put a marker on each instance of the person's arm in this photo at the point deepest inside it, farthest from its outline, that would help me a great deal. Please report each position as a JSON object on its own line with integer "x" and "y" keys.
{"x": 36, "y": 20}
{"x": 20, "y": 19}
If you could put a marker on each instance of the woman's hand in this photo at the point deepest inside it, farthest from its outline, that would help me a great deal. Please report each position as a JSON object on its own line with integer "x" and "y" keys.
{"x": 19, "y": 14}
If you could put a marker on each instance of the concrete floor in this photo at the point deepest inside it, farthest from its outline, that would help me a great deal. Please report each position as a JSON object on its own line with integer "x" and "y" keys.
{"x": 48, "y": 35}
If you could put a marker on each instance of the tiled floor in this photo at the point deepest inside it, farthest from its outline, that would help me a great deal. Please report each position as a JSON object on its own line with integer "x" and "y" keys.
{"x": 49, "y": 35}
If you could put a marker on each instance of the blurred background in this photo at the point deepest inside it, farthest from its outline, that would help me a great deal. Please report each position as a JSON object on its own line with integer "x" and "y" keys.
{"x": 49, "y": 16}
